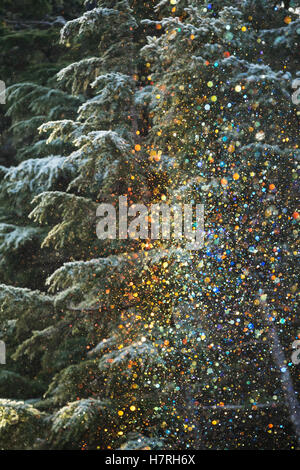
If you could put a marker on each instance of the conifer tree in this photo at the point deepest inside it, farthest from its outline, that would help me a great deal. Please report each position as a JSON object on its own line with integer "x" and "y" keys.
{"x": 30, "y": 51}
{"x": 227, "y": 118}
{"x": 146, "y": 344}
